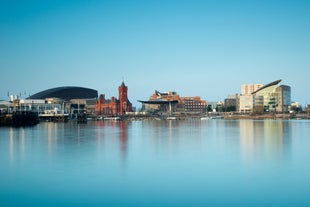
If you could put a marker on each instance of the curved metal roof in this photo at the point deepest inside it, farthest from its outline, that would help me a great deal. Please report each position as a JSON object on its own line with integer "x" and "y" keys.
{"x": 67, "y": 93}
{"x": 268, "y": 85}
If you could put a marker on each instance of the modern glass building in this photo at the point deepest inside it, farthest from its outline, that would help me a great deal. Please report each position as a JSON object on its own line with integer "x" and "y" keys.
{"x": 275, "y": 98}
{"x": 269, "y": 98}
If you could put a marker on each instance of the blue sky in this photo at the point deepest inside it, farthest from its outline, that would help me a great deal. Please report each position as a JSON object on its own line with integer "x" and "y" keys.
{"x": 204, "y": 48}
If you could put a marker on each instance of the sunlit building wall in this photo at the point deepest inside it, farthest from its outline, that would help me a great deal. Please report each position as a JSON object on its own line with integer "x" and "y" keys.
{"x": 248, "y": 89}
{"x": 246, "y": 103}
{"x": 268, "y": 98}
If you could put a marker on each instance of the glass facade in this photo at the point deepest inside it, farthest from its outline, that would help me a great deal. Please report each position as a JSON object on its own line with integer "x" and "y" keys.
{"x": 276, "y": 98}
{"x": 271, "y": 98}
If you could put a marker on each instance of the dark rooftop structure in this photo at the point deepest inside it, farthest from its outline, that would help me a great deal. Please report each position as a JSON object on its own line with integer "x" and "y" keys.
{"x": 159, "y": 102}
{"x": 268, "y": 85}
{"x": 66, "y": 93}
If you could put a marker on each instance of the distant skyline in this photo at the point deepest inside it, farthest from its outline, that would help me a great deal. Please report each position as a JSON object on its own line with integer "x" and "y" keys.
{"x": 194, "y": 47}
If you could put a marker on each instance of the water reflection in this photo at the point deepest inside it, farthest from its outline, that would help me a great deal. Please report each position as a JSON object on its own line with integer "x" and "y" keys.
{"x": 16, "y": 144}
{"x": 115, "y": 132}
{"x": 172, "y": 136}
{"x": 256, "y": 138}
{"x": 66, "y": 140}
{"x": 264, "y": 138}
{"x": 181, "y": 162}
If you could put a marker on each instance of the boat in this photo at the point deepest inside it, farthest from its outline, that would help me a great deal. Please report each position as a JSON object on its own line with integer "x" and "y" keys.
{"x": 114, "y": 118}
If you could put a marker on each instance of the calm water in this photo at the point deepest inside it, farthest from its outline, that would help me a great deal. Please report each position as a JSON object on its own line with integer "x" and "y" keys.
{"x": 156, "y": 163}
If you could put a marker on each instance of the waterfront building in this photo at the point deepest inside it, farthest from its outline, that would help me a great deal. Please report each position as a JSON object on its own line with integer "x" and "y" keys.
{"x": 283, "y": 95}
{"x": 162, "y": 102}
{"x": 166, "y": 96}
{"x": 171, "y": 101}
{"x": 248, "y": 89}
{"x": 124, "y": 103}
{"x": 214, "y": 106}
{"x": 268, "y": 98}
{"x": 276, "y": 98}
{"x": 250, "y": 103}
{"x": 230, "y": 103}
{"x": 107, "y": 107}
{"x": 114, "y": 106}
{"x": 193, "y": 104}
{"x": 72, "y": 99}
{"x": 296, "y": 107}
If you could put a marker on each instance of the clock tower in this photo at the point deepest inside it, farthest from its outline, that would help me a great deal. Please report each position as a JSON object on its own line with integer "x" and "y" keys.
{"x": 124, "y": 104}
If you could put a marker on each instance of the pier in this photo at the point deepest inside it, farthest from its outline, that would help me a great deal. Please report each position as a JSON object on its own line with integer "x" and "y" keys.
{"x": 54, "y": 116}
{"x": 19, "y": 118}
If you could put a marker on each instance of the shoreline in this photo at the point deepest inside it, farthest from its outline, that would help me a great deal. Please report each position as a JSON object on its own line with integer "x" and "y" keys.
{"x": 223, "y": 115}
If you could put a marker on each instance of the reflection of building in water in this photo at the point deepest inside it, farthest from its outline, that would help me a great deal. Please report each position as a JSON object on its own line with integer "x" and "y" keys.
{"x": 111, "y": 132}
{"x": 263, "y": 138}
{"x": 123, "y": 137}
{"x": 17, "y": 142}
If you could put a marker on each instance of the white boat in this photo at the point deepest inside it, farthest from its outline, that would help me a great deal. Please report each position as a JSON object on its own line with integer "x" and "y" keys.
{"x": 116, "y": 118}
{"x": 171, "y": 118}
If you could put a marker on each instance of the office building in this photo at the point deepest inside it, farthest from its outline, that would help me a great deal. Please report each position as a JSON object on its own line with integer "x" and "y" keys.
{"x": 268, "y": 98}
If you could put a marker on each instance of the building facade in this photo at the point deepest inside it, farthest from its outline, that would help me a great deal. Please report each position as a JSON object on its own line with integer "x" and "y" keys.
{"x": 268, "y": 98}
{"x": 193, "y": 104}
{"x": 171, "y": 101}
{"x": 248, "y": 89}
{"x": 114, "y": 106}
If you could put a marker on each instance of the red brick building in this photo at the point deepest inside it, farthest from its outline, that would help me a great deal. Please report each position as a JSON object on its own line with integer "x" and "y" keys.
{"x": 113, "y": 106}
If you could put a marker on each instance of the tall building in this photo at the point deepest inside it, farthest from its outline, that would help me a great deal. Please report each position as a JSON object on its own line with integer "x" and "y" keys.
{"x": 124, "y": 104}
{"x": 284, "y": 98}
{"x": 248, "y": 89}
{"x": 114, "y": 106}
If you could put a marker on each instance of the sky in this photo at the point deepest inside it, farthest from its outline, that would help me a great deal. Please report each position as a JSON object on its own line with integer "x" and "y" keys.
{"x": 206, "y": 48}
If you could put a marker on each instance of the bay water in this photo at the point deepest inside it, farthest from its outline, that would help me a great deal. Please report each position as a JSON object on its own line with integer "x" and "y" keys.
{"x": 156, "y": 163}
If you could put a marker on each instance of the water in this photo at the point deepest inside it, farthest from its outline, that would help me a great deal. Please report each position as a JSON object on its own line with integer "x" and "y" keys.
{"x": 156, "y": 163}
